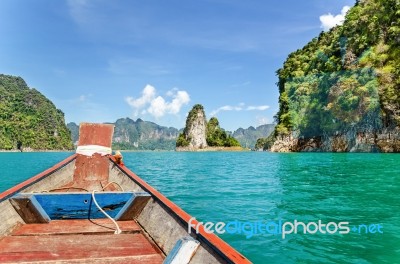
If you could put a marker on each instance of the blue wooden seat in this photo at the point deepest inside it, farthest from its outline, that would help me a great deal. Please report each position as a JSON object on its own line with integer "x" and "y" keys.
{"x": 44, "y": 207}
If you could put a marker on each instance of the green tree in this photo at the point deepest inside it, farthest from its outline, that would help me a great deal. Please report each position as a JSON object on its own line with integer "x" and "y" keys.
{"x": 345, "y": 79}
{"x": 217, "y": 137}
{"x": 28, "y": 119}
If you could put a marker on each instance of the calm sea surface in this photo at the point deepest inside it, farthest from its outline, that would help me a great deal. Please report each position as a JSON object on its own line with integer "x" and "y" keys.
{"x": 247, "y": 188}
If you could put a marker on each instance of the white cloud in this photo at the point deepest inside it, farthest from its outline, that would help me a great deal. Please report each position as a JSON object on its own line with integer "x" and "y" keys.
{"x": 259, "y": 108}
{"x": 180, "y": 98}
{"x": 157, "y": 106}
{"x": 240, "y": 107}
{"x": 226, "y": 108}
{"x": 148, "y": 95}
{"x": 328, "y": 21}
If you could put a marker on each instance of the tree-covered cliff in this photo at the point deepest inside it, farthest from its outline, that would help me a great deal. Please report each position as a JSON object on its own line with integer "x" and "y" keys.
{"x": 28, "y": 119}
{"x": 198, "y": 133}
{"x": 345, "y": 81}
{"x": 218, "y": 137}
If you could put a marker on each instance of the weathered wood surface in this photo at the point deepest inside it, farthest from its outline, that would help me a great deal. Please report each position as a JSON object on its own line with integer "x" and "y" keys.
{"x": 141, "y": 259}
{"x": 41, "y": 207}
{"x": 61, "y": 227}
{"x": 183, "y": 251}
{"x": 62, "y": 247}
{"x": 29, "y": 209}
{"x": 134, "y": 206}
{"x": 95, "y": 134}
{"x": 78, "y": 241}
{"x": 81, "y": 205}
{"x": 90, "y": 172}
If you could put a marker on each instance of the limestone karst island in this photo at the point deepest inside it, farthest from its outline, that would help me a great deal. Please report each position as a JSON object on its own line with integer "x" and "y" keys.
{"x": 200, "y": 135}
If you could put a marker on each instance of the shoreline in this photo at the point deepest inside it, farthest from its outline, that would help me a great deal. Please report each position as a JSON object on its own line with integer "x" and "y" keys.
{"x": 211, "y": 149}
{"x": 34, "y": 150}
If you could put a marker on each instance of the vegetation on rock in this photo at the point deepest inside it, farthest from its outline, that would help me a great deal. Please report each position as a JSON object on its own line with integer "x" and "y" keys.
{"x": 217, "y": 137}
{"x": 265, "y": 143}
{"x": 347, "y": 79}
{"x": 28, "y": 120}
{"x": 214, "y": 134}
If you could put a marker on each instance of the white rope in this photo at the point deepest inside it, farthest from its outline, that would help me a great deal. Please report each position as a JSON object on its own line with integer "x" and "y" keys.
{"x": 89, "y": 150}
{"x": 117, "y": 230}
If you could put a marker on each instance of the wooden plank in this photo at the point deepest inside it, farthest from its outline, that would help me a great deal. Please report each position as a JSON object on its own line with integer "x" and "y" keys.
{"x": 90, "y": 171}
{"x": 64, "y": 227}
{"x": 70, "y": 247}
{"x": 29, "y": 209}
{"x": 183, "y": 251}
{"x": 145, "y": 259}
{"x": 95, "y": 134}
{"x": 133, "y": 207}
{"x": 80, "y": 205}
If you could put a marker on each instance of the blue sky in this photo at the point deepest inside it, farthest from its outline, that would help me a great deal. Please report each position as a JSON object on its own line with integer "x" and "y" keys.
{"x": 102, "y": 60}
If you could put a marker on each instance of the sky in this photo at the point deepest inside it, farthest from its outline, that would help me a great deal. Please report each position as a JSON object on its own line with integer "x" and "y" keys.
{"x": 101, "y": 60}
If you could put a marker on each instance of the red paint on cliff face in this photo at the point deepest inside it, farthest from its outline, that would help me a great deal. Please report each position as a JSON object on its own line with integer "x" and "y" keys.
{"x": 95, "y": 134}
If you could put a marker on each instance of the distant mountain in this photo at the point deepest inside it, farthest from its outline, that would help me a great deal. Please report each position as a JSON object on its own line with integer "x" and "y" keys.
{"x": 145, "y": 135}
{"x": 138, "y": 135}
{"x": 248, "y": 137}
{"x": 74, "y": 129}
{"x": 28, "y": 120}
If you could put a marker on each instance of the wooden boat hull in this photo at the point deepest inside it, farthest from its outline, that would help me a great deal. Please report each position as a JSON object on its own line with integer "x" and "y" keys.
{"x": 155, "y": 217}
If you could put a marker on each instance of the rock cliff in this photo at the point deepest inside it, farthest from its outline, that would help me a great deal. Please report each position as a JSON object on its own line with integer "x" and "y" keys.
{"x": 341, "y": 91}
{"x": 384, "y": 141}
{"x": 194, "y": 134}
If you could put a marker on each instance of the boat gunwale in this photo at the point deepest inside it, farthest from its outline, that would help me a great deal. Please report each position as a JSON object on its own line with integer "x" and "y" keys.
{"x": 211, "y": 239}
{"x": 224, "y": 249}
{"x": 38, "y": 177}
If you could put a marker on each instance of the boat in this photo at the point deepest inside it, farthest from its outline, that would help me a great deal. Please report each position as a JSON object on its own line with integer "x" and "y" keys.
{"x": 90, "y": 208}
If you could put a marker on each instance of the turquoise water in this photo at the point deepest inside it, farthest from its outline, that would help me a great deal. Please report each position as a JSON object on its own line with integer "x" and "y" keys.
{"x": 257, "y": 186}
